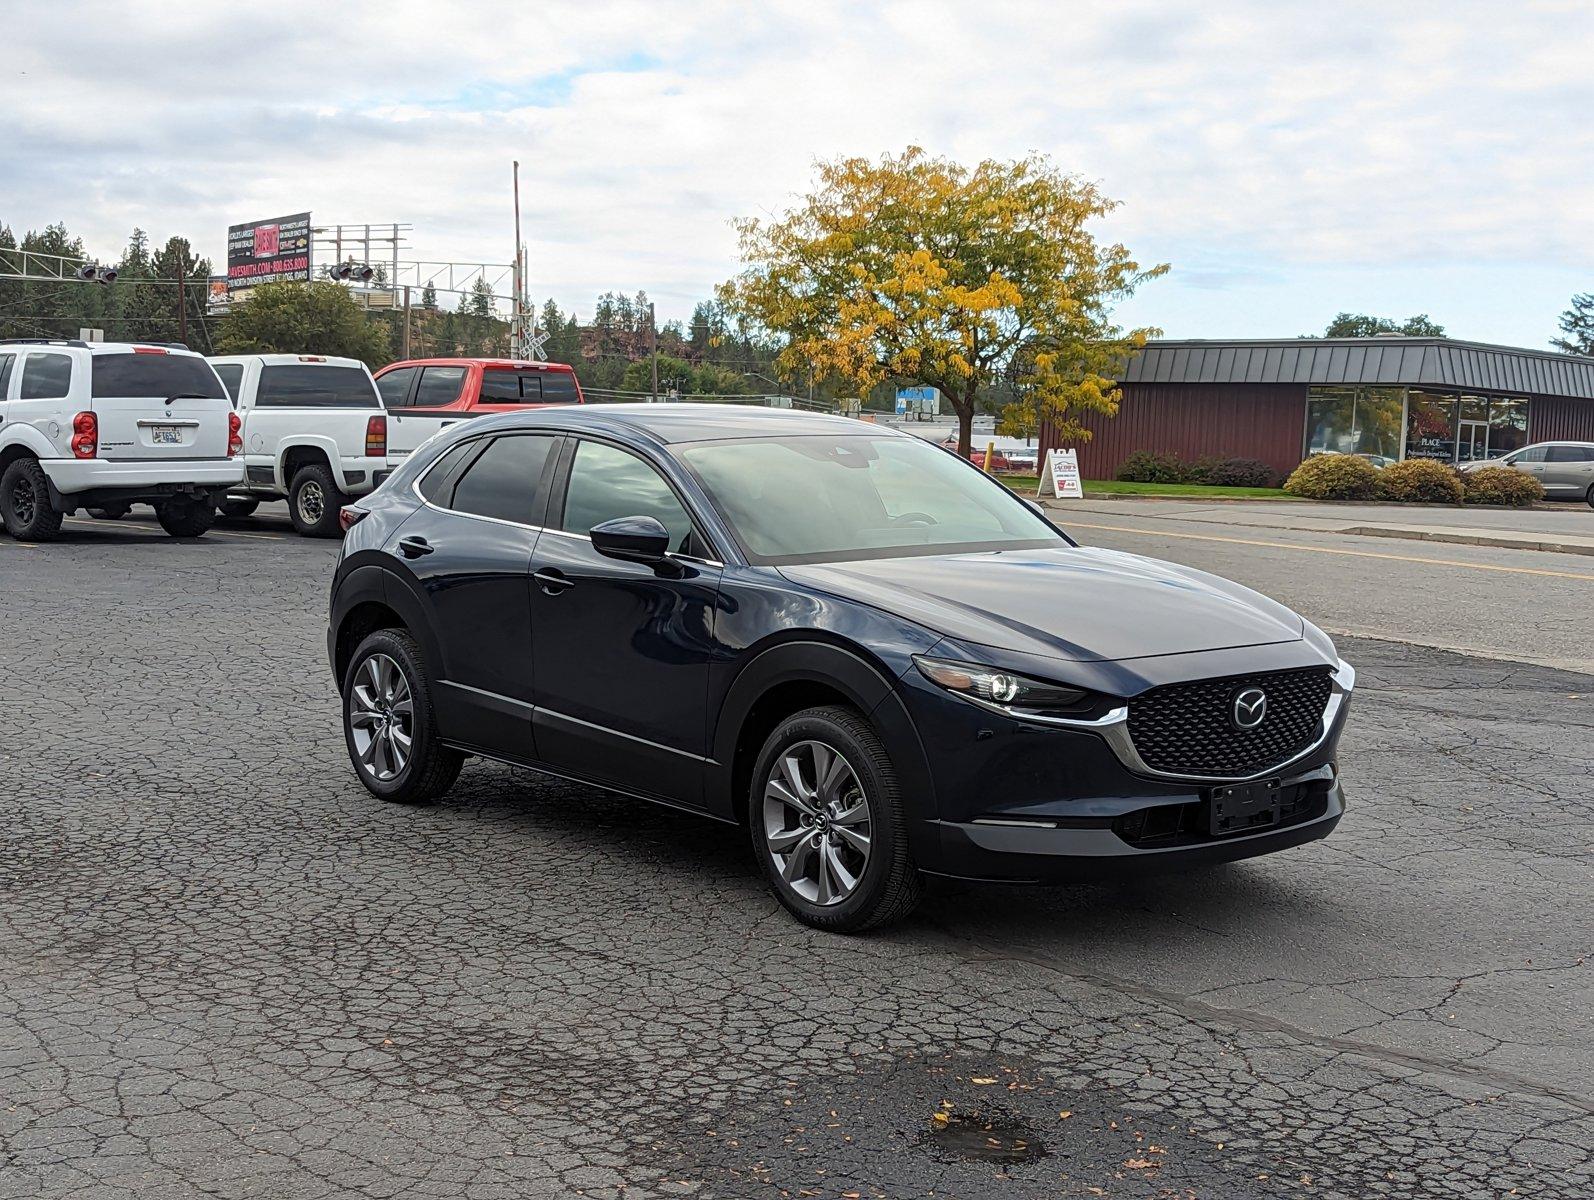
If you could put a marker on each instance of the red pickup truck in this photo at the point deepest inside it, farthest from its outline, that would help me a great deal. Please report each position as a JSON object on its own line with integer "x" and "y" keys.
{"x": 424, "y": 394}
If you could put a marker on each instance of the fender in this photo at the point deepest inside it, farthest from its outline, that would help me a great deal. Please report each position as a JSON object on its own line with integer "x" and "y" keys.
{"x": 368, "y": 583}
{"x": 326, "y": 445}
{"x": 21, "y": 433}
{"x": 865, "y": 684}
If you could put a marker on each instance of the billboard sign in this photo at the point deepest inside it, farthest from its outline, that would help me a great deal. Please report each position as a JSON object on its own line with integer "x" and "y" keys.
{"x": 268, "y": 252}
{"x": 924, "y": 401}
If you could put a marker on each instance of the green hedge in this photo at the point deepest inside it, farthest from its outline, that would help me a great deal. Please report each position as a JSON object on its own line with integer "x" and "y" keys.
{"x": 1144, "y": 466}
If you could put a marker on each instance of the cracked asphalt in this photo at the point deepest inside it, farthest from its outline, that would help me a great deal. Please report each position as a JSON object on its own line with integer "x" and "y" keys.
{"x": 226, "y": 971}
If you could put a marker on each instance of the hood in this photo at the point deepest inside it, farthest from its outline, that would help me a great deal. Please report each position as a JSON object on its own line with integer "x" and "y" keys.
{"x": 1076, "y": 603}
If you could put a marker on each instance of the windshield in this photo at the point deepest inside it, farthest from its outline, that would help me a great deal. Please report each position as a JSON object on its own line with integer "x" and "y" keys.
{"x": 150, "y": 375}
{"x": 826, "y": 498}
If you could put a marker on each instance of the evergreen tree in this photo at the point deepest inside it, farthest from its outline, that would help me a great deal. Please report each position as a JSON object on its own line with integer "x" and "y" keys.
{"x": 1577, "y": 323}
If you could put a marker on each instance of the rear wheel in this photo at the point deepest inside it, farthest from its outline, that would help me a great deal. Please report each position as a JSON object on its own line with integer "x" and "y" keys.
{"x": 828, "y": 823}
{"x": 183, "y": 517}
{"x": 110, "y": 512}
{"x": 1590, "y": 496}
{"x": 237, "y": 509}
{"x": 25, "y": 502}
{"x": 389, "y": 724}
{"x": 314, "y": 501}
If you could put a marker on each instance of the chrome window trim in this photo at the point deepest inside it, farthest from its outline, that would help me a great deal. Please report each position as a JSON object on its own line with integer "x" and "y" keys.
{"x": 1113, "y": 728}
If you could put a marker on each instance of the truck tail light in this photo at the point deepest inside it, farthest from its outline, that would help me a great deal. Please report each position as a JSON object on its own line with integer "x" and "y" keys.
{"x": 376, "y": 437}
{"x": 85, "y": 435}
{"x": 235, "y": 437}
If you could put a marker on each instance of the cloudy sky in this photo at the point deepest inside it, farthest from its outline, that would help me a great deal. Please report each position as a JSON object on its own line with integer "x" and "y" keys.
{"x": 1288, "y": 159}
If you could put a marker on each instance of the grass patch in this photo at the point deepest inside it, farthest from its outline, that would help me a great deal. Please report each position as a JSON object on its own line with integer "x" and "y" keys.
{"x": 1111, "y": 487}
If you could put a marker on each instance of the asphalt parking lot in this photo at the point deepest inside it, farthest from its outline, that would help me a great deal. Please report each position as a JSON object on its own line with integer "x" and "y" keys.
{"x": 226, "y": 971}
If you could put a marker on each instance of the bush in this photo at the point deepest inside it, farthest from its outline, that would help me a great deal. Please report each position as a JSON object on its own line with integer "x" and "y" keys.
{"x": 1145, "y": 467}
{"x": 1334, "y": 477}
{"x": 1420, "y": 480}
{"x": 1240, "y": 472}
{"x": 1501, "y": 485}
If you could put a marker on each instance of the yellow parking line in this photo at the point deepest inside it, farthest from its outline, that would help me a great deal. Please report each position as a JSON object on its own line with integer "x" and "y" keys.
{"x": 1436, "y": 562}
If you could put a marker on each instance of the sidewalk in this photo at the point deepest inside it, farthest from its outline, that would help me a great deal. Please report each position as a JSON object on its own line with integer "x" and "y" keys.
{"x": 1568, "y": 531}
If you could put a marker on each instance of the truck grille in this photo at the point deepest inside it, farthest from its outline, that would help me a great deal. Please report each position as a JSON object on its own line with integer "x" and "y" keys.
{"x": 1189, "y": 728}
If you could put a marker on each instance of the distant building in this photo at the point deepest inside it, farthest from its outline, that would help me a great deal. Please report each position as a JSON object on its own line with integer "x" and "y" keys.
{"x": 1392, "y": 397}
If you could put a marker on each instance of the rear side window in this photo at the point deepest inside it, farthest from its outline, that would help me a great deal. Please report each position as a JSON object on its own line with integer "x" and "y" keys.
{"x": 503, "y": 482}
{"x": 153, "y": 376}
{"x": 231, "y": 376}
{"x": 439, "y": 386}
{"x": 394, "y": 386}
{"x": 1568, "y": 454}
{"x": 46, "y": 377}
{"x": 436, "y": 485}
{"x": 306, "y": 385}
{"x": 5, "y": 372}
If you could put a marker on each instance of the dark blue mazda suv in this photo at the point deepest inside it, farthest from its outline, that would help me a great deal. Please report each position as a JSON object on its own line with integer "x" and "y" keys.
{"x": 874, "y": 656}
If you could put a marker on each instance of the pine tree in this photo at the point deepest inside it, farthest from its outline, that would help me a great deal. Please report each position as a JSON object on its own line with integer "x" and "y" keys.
{"x": 1577, "y": 323}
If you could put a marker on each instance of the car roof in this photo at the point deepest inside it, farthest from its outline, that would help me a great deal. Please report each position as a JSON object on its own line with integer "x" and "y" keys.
{"x": 277, "y": 360}
{"x": 505, "y": 363}
{"x": 668, "y": 423}
{"x": 11, "y": 345}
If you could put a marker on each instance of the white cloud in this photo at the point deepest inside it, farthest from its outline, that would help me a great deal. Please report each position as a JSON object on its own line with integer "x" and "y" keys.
{"x": 1275, "y": 138}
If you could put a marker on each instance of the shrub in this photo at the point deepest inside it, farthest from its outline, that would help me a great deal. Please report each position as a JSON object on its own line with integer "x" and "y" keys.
{"x": 1334, "y": 477}
{"x": 1240, "y": 472}
{"x": 1420, "y": 480}
{"x": 1501, "y": 485}
{"x": 1145, "y": 467}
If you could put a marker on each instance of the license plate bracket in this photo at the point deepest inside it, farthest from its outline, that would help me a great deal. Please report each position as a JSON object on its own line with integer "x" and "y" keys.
{"x": 166, "y": 435}
{"x": 1245, "y": 807}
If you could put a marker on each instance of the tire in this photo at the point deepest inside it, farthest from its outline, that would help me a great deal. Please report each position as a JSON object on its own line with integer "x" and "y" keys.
{"x": 110, "y": 512}
{"x": 886, "y": 883}
{"x": 384, "y": 674}
{"x": 237, "y": 509}
{"x": 185, "y": 518}
{"x": 25, "y": 504}
{"x": 314, "y": 501}
{"x": 1590, "y": 496}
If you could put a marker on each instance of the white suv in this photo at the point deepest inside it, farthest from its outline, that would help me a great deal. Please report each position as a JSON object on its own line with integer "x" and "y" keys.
{"x": 104, "y": 425}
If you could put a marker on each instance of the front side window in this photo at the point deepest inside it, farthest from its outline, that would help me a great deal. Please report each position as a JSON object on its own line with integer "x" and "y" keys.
{"x": 394, "y": 386}
{"x": 439, "y": 386}
{"x": 606, "y": 483}
{"x": 831, "y": 497}
{"x": 152, "y": 377}
{"x": 503, "y": 481}
{"x": 1532, "y": 454}
{"x": 46, "y": 377}
{"x": 313, "y": 386}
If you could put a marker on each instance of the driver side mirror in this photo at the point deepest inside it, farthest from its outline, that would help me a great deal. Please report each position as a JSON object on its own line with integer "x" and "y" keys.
{"x": 632, "y": 539}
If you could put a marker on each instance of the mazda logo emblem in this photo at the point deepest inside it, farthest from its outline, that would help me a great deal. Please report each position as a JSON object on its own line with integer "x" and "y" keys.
{"x": 1250, "y": 707}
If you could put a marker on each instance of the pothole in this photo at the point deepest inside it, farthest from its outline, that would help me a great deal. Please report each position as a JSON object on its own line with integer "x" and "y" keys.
{"x": 982, "y": 1136}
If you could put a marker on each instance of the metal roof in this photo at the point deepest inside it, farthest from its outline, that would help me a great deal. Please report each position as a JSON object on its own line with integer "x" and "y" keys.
{"x": 1411, "y": 361}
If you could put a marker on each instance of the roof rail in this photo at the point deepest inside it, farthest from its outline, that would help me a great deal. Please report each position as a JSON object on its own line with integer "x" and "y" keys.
{"x": 78, "y": 343}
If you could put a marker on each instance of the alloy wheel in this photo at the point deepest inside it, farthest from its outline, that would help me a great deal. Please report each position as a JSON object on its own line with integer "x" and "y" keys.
{"x": 312, "y": 503}
{"x": 817, "y": 823}
{"x": 23, "y": 501}
{"x": 382, "y": 717}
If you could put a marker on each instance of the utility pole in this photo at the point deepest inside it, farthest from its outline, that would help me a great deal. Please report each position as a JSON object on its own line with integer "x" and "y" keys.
{"x": 182, "y": 295}
{"x": 406, "y": 320}
{"x": 653, "y": 333}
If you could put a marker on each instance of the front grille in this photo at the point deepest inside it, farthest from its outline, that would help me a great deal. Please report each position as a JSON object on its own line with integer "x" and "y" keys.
{"x": 1188, "y": 728}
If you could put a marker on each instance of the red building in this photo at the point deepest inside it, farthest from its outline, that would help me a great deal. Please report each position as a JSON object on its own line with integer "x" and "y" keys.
{"x": 1389, "y": 397}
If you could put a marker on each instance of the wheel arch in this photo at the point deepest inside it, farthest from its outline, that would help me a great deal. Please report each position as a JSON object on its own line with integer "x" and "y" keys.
{"x": 306, "y": 451}
{"x": 368, "y": 600}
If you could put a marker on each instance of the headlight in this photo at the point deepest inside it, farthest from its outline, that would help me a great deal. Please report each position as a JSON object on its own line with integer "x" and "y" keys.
{"x": 1015, "y": 693}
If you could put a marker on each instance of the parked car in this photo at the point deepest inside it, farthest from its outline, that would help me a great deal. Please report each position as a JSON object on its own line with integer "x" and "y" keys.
{"x": 314, "y": 434}
{"x": 424, "y": 395}
{"x": 999, "y": 458}
{"x": 105, "y": 425}
{"x": 1566, "y": 469}
{"x": 835, "y": 634}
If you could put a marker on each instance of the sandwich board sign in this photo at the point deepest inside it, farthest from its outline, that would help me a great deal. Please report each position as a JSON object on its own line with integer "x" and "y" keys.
{"x": 1061, "y": 475}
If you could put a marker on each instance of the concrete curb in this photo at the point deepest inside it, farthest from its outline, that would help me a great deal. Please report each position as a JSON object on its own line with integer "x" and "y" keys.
{"x": 1460, "y": 537}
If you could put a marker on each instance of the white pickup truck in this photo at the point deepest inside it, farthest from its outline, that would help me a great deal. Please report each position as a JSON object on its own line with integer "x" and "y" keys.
{"x": 104, "y": 425}
{"x": 314, "y": 434}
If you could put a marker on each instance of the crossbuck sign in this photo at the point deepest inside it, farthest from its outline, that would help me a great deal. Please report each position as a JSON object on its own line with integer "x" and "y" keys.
{"x": 1061, "y": 474}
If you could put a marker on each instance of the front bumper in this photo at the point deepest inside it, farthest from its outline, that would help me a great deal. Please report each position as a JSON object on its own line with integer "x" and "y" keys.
{"x": 133, "y": 479}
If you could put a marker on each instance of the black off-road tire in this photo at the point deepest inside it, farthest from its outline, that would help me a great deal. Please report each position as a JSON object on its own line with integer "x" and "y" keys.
{"x": 432, "y": 767}
{"x": 185, "y": 518}
{"x": 25, "y": 504}
{"x": 237, "y": 509}
{"x": 314, "y": 501}
{"x": 890, "y": 885}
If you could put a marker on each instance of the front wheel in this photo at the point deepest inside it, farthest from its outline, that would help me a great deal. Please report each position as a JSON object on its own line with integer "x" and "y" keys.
{"x": 389, "y": 724}
{"x": 314, "y": 502}
{"x": 25, "y": 504}
{"x": 828, "y": 824}
{"x": 185, "y": 518}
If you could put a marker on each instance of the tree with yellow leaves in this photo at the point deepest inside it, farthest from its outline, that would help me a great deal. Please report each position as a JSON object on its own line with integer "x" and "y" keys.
{"x": 920, "y": 269}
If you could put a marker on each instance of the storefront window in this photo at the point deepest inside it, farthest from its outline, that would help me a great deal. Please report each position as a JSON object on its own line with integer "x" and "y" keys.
{"x": 1508, "y": 425}
{"x": 1354, "y": 421}
{"x": 1431, "y": 425}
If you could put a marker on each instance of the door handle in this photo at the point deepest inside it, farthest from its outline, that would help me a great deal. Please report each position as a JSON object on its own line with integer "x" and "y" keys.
{"x": 414, "y": 547}
{"x": 553, "y": 581}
